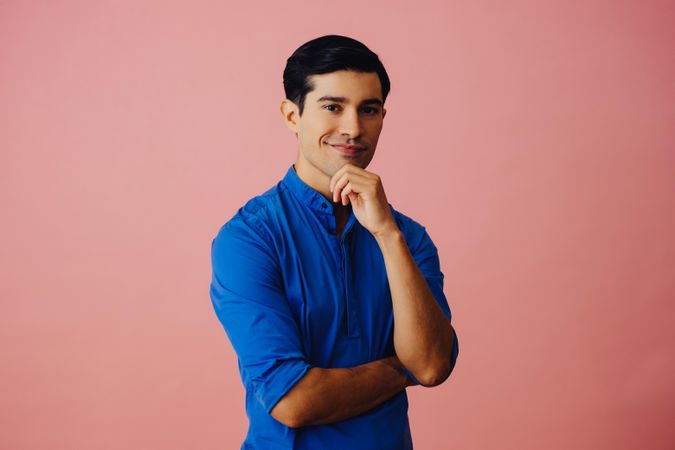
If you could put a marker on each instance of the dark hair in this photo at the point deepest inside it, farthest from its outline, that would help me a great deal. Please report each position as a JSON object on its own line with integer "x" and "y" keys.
{"x": 329, "y": 54}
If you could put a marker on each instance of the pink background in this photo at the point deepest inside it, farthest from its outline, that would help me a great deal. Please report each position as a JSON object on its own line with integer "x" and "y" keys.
{"x": 534, "y": 140}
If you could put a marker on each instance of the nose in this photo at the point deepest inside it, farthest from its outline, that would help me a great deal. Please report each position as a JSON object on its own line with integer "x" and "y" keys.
{"x": 350, "y": 124}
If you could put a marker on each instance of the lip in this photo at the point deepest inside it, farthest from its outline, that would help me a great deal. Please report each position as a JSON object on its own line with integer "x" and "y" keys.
{"x": 349, "y": 150}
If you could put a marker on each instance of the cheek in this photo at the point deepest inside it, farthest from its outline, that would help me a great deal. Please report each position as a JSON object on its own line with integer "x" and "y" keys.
{"x": 377, "y": 127}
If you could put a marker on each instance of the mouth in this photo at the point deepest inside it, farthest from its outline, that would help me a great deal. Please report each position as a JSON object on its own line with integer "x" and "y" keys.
{"x": 348, "y": 150}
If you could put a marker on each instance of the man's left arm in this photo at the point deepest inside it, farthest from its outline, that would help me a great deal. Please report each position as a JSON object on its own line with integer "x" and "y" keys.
{"x": 424, "y": 338}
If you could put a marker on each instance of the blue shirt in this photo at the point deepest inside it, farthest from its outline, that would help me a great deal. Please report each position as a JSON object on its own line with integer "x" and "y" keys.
{"x": 291, "y": 294}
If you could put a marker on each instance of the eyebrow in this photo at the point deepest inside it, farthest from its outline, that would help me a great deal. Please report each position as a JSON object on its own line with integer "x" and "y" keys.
{"x": 368, "y": 101}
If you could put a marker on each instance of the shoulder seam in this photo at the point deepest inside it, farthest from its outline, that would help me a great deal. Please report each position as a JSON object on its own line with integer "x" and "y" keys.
{"x": 252, "y": 217}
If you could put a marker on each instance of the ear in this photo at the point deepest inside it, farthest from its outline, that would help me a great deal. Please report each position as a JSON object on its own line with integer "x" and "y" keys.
{"x": 289, "y": 113}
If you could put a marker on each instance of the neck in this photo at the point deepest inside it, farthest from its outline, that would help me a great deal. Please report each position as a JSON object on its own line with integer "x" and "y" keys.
{"x": 315, "y": 179}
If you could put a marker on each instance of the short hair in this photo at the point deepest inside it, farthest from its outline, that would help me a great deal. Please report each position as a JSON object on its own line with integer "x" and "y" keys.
{"x": 327, "y": 54}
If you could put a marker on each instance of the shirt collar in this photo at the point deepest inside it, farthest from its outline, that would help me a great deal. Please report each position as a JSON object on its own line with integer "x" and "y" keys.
{"x": 307, "y": 195}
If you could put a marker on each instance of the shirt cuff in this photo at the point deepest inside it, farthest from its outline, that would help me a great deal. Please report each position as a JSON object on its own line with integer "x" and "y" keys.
{"x": 273, "y": 386}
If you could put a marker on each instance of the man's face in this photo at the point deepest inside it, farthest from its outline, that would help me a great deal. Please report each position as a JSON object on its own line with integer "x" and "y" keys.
{"x": 344, "y": 108}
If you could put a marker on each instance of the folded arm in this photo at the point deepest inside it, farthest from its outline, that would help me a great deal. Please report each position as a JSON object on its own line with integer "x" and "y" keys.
{"x": 424, "y": 338}
{"x": 328, "y": 395}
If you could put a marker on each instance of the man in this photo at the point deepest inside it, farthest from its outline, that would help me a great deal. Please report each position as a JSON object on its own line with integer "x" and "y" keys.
{"x": 310, "y": 277}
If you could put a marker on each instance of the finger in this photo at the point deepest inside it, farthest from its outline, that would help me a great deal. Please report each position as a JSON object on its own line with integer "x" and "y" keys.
{"x": 357, "y": 186}
{"x": 340, "y": 184}
{"x": 345, "y": 194}
{"x": 336, "y": 177}
{"x": 347, "y": 168}
{"x": 355, "y": 179}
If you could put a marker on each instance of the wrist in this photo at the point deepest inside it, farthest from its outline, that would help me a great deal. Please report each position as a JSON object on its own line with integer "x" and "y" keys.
{"x": 388, "y": 235}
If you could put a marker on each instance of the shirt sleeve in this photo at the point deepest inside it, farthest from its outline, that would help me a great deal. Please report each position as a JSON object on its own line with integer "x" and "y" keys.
{"x": 425, "y": 254}
{"x": 247, "y": 295}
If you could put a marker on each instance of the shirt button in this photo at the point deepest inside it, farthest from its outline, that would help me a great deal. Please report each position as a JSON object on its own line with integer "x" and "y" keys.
{"x": 323, "y": 205}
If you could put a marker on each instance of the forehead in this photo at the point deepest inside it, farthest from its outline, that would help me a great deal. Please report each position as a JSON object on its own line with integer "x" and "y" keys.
{"x": 355, "y": 86}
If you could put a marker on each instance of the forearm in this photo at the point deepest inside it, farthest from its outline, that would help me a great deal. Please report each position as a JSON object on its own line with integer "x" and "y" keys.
{"x": 328, "y": 395}
{"x": 423, "y": 337}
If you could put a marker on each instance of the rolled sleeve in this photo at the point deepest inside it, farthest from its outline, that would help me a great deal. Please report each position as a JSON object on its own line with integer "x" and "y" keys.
{"x": 426, "y": 257}
{"x": 247, "y": 294}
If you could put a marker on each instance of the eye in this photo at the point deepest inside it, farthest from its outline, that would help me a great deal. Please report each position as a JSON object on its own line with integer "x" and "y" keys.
{"x": 368, "y": 110}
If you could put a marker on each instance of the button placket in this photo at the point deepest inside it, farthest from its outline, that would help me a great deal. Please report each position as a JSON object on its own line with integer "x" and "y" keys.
{"x": 351, "y": 308}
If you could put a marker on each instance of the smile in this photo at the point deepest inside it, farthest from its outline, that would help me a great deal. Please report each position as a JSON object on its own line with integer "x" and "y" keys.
{"x": 347, "y": 151}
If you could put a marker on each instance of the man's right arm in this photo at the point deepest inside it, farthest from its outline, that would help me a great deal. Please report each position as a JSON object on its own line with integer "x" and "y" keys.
{"x": 328, "y": 395}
